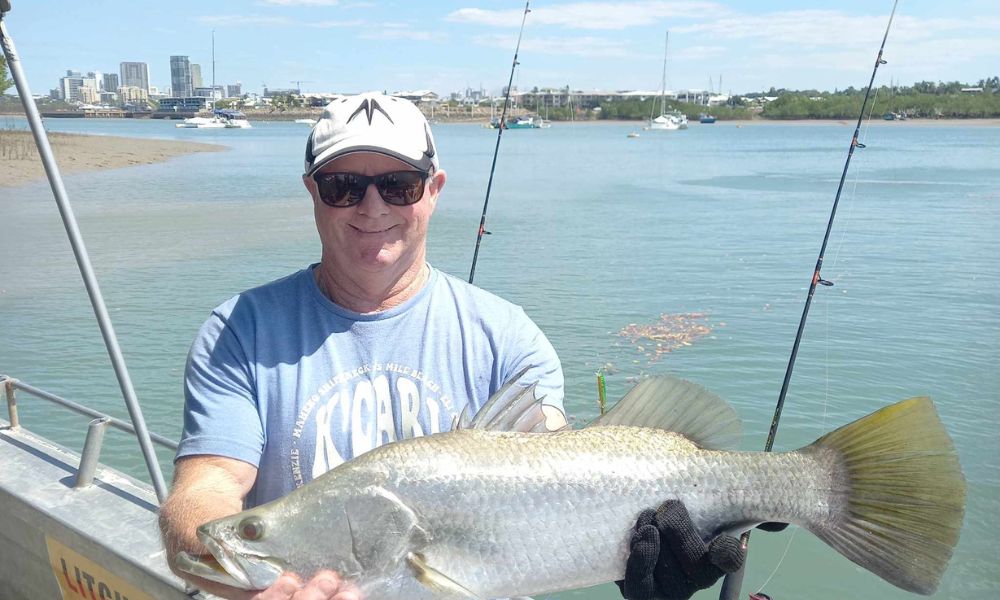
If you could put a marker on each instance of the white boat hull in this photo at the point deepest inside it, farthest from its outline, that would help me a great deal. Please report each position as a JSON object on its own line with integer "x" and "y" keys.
{"x": 201, "y": 123}
{"x": 663, "y": 124}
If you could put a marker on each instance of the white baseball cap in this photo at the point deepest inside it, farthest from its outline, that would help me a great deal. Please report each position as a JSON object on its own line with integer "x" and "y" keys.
{"x": 371, "y": 122}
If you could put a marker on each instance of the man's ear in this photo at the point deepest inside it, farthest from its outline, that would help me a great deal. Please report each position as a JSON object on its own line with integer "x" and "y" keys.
{"x": 310, "y": 184}
{"x": 437, "y": 181}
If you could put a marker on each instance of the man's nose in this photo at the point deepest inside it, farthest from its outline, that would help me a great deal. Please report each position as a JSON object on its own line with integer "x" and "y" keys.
{"x": 372, "y": 202}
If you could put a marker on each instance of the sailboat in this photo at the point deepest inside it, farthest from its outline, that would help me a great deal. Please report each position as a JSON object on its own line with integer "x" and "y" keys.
{"x": 221, "y": 118}
{"x": 671, "y": 120}
{"x": 545, "y": 123}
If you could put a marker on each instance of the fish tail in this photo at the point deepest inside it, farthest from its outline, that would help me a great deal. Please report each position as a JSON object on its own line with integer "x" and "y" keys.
{"x": 905, "y": 496}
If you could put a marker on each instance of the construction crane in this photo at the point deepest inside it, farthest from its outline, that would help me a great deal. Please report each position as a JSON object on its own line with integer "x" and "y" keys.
{"x": 298, "y": 85}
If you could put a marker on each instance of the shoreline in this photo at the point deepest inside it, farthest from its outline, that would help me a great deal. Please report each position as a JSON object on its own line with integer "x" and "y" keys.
{"x": 75, "y": 153}
{"x": 482, "y": 119}
{"x": 977, "y": 122}
{"x": 985, "y": 122}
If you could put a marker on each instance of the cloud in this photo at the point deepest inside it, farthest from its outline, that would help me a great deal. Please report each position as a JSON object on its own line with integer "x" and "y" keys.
{"x": 397, "y": 33}
{"x": 244, "y": 20}
{"x": 223, "y": 20}
{"x": 591, "y": 15}
{"x": 578, "y": 46}
{"x": 699, "y": 52}
{"x": 808, "y": 28}
{"x": 822, "y": 28}
{"x": 299, "y": 2}
{"x": 335, "y": 24}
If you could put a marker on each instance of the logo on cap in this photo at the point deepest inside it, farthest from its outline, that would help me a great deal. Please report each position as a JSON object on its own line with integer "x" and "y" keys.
{"x": 369, "y": 106}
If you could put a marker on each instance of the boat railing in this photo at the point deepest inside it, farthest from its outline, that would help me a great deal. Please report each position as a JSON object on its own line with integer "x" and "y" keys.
{"x": 11, "y": 385}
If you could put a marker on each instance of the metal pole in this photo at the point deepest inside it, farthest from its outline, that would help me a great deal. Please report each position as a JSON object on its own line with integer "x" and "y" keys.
{"x": 91, "y": 453}
{"x": 82, "y": 258}
{"x": 88, "y": 412}
{"x": 8, "y": 385}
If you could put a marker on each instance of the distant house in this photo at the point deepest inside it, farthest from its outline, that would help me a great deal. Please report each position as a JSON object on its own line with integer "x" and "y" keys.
{"x": 417, "y": 96}
{"x": 188, "y": 104}
{"x": 972, "y": 90}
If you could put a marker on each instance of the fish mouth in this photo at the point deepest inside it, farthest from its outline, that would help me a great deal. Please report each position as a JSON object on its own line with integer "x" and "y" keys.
{"x": 242, "y": 568}
{"x": 205, "y": 566}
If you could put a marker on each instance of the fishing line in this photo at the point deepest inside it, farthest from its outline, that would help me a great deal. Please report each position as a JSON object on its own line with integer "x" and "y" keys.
{"x": 733, "y": 581}
{"x": 496, "y": 150}
{"x": 788, "y": 547}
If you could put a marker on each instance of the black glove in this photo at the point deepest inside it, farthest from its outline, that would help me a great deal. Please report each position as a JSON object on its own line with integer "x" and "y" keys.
{"x": 668, "y": 559}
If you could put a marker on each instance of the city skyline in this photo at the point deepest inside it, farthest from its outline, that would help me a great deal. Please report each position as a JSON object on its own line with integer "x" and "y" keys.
{"x": 331, "y": 45}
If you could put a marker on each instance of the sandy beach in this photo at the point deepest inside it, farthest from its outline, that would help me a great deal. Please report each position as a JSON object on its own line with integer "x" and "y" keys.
{"x": 19, "y": 161}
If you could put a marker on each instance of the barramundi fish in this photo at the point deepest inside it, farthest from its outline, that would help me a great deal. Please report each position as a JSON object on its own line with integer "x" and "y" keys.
{"x": 500, "y": 507}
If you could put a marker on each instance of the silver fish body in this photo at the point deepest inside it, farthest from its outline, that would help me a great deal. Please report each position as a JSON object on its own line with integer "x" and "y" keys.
{"x": 477, "y": 513}
{"x": 512, "y": 514}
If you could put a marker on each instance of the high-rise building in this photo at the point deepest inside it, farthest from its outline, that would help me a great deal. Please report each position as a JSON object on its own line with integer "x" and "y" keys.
{"x": 180, "y": 77}
{"x": 75, "y": 87}
{"x": 234, "y": 91}
{"x": 89, "y": 95}
{"x": 110, "y": 81}
{"x": 132, "y": 94}
{"x": 135, "y": 74}
{"x": 69, "y": 86}
{"x": 196, "y": 81}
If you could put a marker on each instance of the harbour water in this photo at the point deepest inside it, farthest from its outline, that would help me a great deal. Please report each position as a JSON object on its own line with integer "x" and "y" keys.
{"x": 591, "y": 232}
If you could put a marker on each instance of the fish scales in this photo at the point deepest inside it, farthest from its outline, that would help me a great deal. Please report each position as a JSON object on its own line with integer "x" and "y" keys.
{"x": 498, "y": 505}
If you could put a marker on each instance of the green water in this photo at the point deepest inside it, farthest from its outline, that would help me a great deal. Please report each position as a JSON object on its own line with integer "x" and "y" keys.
{"x": 591, "y": 231}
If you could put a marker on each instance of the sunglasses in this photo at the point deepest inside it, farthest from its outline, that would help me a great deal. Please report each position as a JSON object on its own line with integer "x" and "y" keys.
{"x": 399, "y": 188}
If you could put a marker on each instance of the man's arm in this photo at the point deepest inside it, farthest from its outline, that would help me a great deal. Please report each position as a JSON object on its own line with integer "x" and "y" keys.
{"x": 210, "y": 487}
{"x": 205, "y": 488}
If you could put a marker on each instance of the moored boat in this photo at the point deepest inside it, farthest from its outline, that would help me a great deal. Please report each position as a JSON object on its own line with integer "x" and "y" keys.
{"x": 669, "y": 120}
{"x": 220, "y": 119}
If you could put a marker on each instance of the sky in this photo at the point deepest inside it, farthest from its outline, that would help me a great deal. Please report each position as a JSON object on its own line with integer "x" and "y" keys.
{"x": 349, "y": 46}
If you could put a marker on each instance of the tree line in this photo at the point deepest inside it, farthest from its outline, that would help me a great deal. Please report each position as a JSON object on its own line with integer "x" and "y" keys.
{"x": 924, "y": 99}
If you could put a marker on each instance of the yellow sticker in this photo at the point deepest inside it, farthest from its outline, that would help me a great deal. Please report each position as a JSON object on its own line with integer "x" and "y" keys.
{"x": 82, "y": 579}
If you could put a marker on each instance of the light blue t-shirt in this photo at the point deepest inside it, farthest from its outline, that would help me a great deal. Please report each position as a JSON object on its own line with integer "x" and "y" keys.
{"x": 282, "y": 378}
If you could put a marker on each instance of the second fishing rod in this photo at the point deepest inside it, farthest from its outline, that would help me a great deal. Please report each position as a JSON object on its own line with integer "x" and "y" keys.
{"x": 733, "y": 582}
{"x": 500, "y": 125}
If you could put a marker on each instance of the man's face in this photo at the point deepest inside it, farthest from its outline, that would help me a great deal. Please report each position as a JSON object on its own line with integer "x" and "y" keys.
{"x": 373, "y": 236}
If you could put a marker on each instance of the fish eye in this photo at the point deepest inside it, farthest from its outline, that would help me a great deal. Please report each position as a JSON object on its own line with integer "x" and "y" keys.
{"x": 251, "y": 528}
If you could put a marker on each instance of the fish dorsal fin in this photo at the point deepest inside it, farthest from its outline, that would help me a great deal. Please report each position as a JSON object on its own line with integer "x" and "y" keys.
{"x": 513, "y": 407}
{"x": 680, "y": 406}
{"x": 442, "y": 585}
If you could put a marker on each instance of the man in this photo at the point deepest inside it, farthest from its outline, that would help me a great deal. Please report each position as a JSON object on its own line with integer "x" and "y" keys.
{"x": 368, "y": 346}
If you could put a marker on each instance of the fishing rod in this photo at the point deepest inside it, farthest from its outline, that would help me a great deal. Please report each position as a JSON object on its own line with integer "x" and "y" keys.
{"x": 733, "y": 581}
{"x": 496, "y": 150}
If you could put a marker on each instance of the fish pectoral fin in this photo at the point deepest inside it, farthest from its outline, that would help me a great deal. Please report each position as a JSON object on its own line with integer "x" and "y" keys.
{"x": 383, "y": 529}
{"x": 442, "y": 585}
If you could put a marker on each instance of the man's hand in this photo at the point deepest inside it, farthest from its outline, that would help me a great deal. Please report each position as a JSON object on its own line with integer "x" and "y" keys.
{"x": 668, "y": 559}
{"x": 325, "y": 585}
